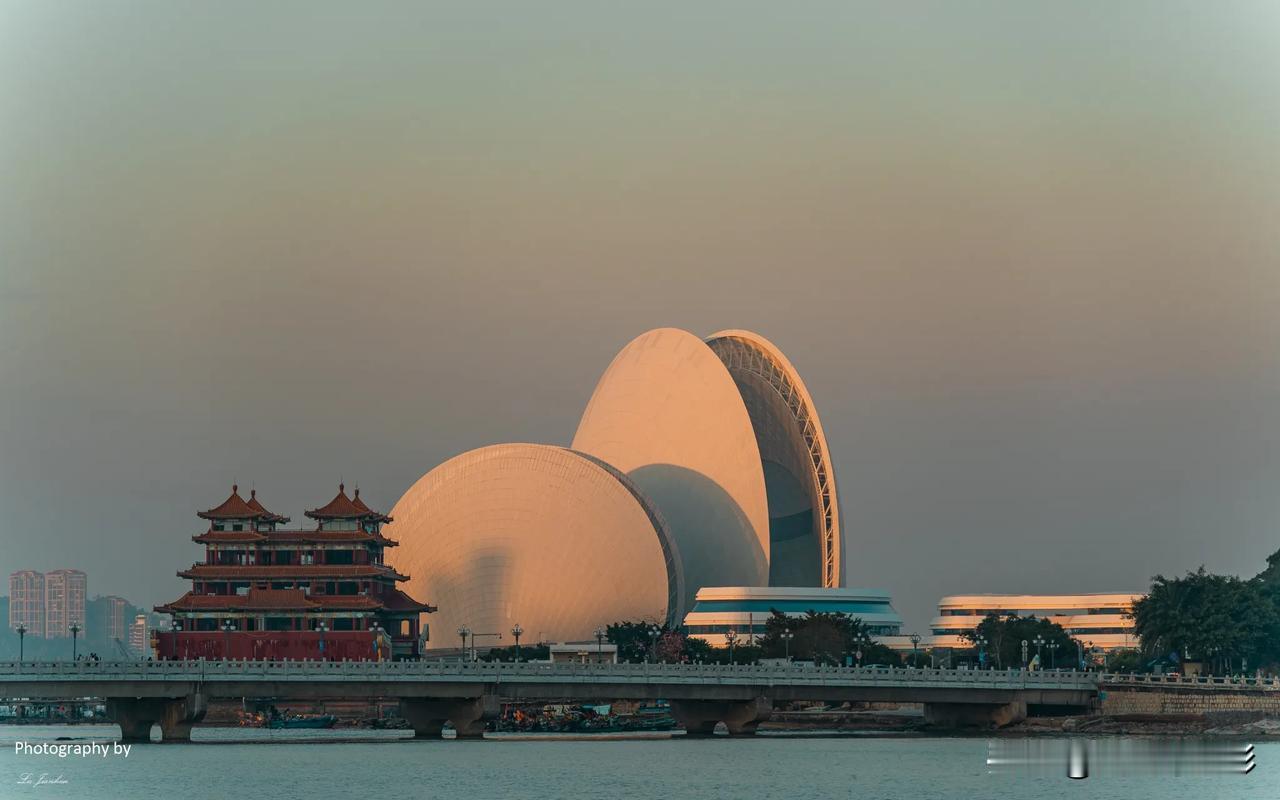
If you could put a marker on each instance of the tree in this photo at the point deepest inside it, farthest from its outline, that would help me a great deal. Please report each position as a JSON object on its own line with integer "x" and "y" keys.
{"x": 1128, "y": 661}
{"x": 1004, "y": 635}
{"x": 1268, "y": 583}
{"x": 696, "y": 649}
{"x": 1214, "y": 619}
{"x": 633, "y": 639}
{"x": 528, "y": 652}
{"x": 671, "y": 647}
{"x": 824, "y": 638}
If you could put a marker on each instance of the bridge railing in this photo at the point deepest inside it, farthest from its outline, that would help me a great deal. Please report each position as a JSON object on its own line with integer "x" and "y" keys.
{"x": 481, "y": 671}
{"x": 1228, "y": 682}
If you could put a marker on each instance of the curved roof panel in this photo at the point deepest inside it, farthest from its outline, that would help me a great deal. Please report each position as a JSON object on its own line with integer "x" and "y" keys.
{"x": 806, "y": 542}
{"x": 667, "y": 413}
{"x": 531, "y": 534}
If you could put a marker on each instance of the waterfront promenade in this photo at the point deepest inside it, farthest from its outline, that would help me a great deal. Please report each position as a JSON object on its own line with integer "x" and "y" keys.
{"x": 175, "y": 694}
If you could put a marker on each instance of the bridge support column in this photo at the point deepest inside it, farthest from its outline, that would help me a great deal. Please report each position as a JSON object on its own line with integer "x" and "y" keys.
{"x": 427, "y": 716}
{"x": 975, "y": 715}
{"x": 740, "y": 717}
{"x": 175, "y": 715}
{"x": 179, "y": 715}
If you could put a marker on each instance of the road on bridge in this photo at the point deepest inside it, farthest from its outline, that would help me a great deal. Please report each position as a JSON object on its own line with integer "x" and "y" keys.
{"x": 174, "y": 694}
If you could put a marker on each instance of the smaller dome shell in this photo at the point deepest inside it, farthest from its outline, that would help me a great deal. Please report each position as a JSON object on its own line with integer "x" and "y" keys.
{"x": 535, "y": 535}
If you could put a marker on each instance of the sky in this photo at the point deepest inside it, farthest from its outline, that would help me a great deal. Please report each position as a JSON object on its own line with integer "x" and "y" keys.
{"x": 1025, "y": 256}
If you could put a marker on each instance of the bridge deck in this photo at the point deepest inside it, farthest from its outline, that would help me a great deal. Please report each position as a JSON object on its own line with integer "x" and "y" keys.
{"x": 404, "y": 679}
{"x": 392, "y": 672}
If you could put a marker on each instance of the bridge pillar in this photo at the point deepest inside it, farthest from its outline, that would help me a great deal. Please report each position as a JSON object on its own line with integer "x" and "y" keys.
{"x": 468, "y": 715}
{"x": 740, "y": 717}
{"x": 179, "y": 715}
{"x": 175, "y": 715}
{"x": 975, "y": 715}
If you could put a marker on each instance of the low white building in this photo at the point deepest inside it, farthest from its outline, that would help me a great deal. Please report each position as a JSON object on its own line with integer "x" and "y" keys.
{"x": 592, "y": 652}
{"x": 745, "y": 610}
{"x": 1099, "y": 621}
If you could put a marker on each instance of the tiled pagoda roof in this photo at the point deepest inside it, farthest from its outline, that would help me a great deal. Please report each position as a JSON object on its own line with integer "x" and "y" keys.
{"x": 293, "y": 600}
{"x": 296, "y": 571}
{"x": 235, "y": 507}
{"x": 343, "y": 507}
{"x": 212, "y": 537}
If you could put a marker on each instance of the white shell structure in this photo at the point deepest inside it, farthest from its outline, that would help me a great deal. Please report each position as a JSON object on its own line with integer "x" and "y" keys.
{"x": 806, "y": 548}
{"x": 535, "y": 535}
{"x": 668, "y": 414}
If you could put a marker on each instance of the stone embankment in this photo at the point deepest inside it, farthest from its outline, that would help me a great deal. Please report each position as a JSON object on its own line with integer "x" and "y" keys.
{"x": 1173, "y": 710}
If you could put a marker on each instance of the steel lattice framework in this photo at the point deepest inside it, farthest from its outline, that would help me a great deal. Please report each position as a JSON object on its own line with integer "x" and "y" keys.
{"x": 752, "y": 354}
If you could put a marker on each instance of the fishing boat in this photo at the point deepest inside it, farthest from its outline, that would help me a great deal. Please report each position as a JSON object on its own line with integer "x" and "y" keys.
{"x": 576, "y": 720}
{"x": 302, "y": 721}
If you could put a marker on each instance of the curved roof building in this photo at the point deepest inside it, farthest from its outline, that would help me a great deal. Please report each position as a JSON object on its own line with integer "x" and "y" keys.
{"x": 696, "y": 464}
{"x": 668, "y": 414}
{"x": 804, "y": 510}
{"x": 724, "y": 437}
{"x": 539, "y": 535}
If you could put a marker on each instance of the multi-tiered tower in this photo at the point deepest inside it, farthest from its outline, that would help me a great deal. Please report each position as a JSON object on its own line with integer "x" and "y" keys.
{"x": 267, "y": 592}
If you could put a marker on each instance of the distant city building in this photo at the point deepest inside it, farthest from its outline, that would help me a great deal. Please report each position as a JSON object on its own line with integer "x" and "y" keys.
{"x": 64, "y": 596}
{"x": 139, "y": 636}
{"x": 264, "y": 592}
{"x": 116, "y": 608}
{"x": 26, "y": 601}
{"x": 746, "y": 609}
{"x": 1097, "y": 620}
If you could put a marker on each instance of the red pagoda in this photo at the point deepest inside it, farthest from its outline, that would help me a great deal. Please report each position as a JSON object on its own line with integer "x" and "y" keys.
{"x": 266, "y": 592}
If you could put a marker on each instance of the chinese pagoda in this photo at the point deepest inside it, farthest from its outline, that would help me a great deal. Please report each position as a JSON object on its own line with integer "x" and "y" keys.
{"x": 267, "y": 592}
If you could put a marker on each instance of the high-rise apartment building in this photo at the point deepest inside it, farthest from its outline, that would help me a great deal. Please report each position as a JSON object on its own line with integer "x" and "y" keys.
{"x": 26, "y": 601}
{"x": 115, "y": 609}
{"x": 64, "y": 595}
{"x": 139, "y": 636}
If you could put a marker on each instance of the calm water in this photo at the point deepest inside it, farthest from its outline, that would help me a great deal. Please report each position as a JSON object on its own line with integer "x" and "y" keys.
{"x": 378, "y": 764}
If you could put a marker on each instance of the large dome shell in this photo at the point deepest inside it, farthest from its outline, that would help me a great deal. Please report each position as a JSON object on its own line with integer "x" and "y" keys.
{"x": 804, "y": 509}
{"x": 667, "y": 413}
{"x": 532, "y": 534}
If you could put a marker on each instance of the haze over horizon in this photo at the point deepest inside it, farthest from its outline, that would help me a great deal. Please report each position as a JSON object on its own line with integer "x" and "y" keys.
{"x": 1025, "y": 258}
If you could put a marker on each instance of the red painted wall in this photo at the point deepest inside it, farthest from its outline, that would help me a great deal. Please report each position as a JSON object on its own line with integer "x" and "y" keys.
{"x": 268, "y": 645}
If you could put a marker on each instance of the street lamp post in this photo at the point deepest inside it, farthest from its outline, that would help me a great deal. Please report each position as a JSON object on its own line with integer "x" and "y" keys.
{"x": 322, "y": 626}
{"x": 1053, "y": 655}
{"x": 731, "y": 638}
{"x": 463, "y": 632}
{"x": 227, "y": 627}
{"x": 915, "y": 647}
{"x": 22, "y": 639}
{"x": 981, "y": 642}
{"x": 516, "y": 630}
{"x": 1024, "y": 653}
{"x": 654, "y": 630}
{"x": 1039, "y": 643}
{"x": 600, "y": 634}
{"x": 787, "y": 636}
{"x": 75, "y": 631}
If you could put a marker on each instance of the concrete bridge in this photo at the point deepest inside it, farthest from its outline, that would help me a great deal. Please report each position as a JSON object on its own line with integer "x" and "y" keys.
{"x": 174, "y": 694}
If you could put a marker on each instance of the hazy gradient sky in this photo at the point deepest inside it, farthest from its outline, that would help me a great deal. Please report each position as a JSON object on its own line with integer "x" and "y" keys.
{"x": 1026, "y": 256}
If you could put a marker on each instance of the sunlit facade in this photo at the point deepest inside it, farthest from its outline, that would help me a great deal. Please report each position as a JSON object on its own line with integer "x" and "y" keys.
{"x": 1097, "y": 620}
{"x": 533, "y": 535}
{"x": 746, "y": 609}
